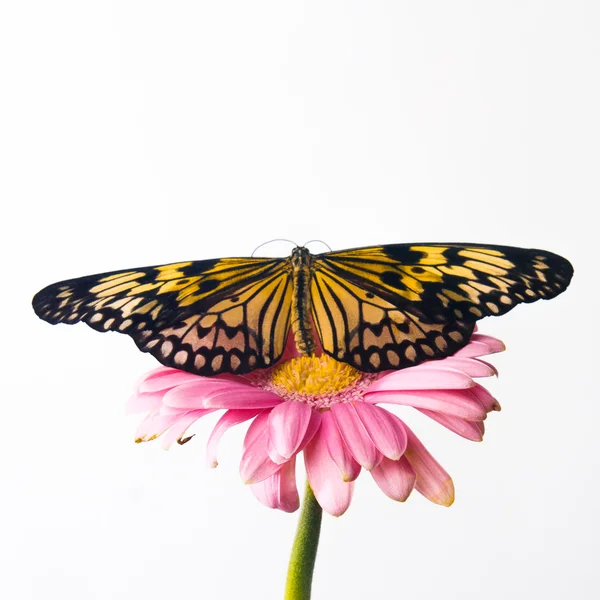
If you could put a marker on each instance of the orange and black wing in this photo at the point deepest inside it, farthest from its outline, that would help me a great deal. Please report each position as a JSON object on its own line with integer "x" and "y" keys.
{"x": 206, "y": 317}
{"x": 390, "y": 307}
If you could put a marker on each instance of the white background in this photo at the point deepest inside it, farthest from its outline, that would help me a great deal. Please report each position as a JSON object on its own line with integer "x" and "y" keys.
{"x": 136, "y": 133}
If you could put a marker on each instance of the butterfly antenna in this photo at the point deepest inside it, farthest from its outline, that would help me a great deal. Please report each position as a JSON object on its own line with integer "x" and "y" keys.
{"x": 320, "y": 242}
{"x": 270, "y": 242}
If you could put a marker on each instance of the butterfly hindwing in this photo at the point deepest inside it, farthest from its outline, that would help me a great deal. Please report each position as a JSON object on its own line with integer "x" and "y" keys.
{"x": 206, "y": 317}
{"x": 417, "y": 288}
{"x": 373, "y": 334}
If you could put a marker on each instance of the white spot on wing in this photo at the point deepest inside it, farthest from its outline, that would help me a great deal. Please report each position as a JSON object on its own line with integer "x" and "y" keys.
{"x": 180, "y": 357}
{"x": 125, "y": 324}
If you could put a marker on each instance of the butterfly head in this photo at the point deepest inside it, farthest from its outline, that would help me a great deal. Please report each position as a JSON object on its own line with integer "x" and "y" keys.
{"x": 300, "y": 257}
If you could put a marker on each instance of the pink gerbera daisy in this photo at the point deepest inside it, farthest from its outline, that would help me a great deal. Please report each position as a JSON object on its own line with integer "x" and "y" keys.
{"x": 328, "y": 411}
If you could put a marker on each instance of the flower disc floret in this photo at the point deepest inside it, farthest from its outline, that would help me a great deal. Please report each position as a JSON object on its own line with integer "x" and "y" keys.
{"x": 318, "y": 381}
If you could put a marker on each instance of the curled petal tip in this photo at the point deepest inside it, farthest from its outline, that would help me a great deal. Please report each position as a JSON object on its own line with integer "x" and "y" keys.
{"x": 445, "y": 497}
{"x": 184, "y": 440}
{"x": 145, "y": 438}
{"x": 396, "y": 455}
{"x": 338, "y": 514}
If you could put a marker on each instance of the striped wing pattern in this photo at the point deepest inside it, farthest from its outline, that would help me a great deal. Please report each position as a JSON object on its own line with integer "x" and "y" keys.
{"x": 376, "y": 308}
{"x": 389, "y": 307}
{"x": 206, "y": 317}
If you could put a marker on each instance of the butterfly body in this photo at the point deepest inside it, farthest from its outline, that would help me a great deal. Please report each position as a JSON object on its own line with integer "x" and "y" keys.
{"x": 302, "y": 267}
{"x": 376, "y": 308}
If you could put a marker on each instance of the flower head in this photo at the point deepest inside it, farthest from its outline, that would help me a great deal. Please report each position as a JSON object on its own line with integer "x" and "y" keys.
{"x": 328, "y": 411}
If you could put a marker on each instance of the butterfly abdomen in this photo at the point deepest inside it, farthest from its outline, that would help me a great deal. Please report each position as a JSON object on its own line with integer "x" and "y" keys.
{"x": 301, "y": 302}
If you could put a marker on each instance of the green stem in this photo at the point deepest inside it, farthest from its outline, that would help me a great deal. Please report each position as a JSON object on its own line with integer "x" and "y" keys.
{"x": 304, "y": 550}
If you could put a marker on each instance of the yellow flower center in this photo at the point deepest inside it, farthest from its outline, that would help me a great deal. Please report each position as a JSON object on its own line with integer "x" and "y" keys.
{"x": 317, "y": 380}
{"x": 314, "y": 375}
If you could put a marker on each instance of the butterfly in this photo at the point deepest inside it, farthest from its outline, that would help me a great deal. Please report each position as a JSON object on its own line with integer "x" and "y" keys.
{"x": 375, "y": 308}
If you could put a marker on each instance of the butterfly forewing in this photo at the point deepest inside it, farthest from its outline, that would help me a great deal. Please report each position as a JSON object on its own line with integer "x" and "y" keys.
{"x": 395, "y": 306}
{"x": 452, "y": 280}
{"x": 207, "y": 317}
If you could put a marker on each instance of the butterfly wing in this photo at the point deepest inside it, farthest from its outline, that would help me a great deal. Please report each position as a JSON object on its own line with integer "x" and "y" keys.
{"x": 374, "y": 333}
{"x": 389, "y": 307}
{"x": 205, "y": 317}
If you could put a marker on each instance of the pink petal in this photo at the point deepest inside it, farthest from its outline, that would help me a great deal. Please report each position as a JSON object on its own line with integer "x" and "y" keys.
{"x": 313, "y": 427}
{"x": 457, "y": 403}
{"x": 332, "y": 493}
{"x": 470, "y": 366}
{"x": 385, "y": 429}
{"x": 288, "y": 423}
{"x": 432, "y": 481}
{"x": 471, "y": 430}
{"x": 157, "y": 372}
{"x": 273, "y": 454}
{"x": 219, "y": 395}
{"x": 256, "y": 427}
{"x": 144, "y": 403}
{"x": 422, "y": 377}
{"x": 396, "y": 478}
{"x": 169, "y": 380}
{"x": 154, "y": 425}
{"x": 472, "y": 349}
{"x": 486, "y": 400}
{"x": 229, "y": 419}
{"x": 160, "y": 372}
{"x": 180, "y": 426}
{"x": 193, "y": 394}
{"x": 480, "y": 345}
{"x": 338, "y": 451}
{"x": 170, "y": 410}
{"x": 256, "y": 464}
{"x": 355, "y": 435}
{"x": 279, "y": 490}
{"x": 488, "y": 366}
{"x": 252, "y": 397}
